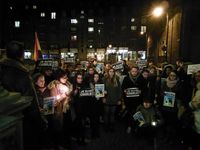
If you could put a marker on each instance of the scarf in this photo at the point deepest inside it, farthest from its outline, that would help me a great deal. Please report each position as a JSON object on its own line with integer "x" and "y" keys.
{"x": 171, "y": 83}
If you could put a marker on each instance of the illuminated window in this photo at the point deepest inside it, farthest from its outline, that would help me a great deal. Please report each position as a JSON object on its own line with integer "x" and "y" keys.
{"x": 143, "y": 29}
{"x": 11, "y": 7}
{"x": 132, "y": 19}
{"x": 34, "y": 7}
{"x": 17, "y": 24}
{"x": 42, "y": 14}
{"x": 74, "y": 21}
{"x": 90, "y": 29}
{"x": 133, "y": 28}
{"x": 91, "y": 20}
{"x": 82, "y": 12}
{"x": 73, "y": 37}
{"x": 53, "y": 15}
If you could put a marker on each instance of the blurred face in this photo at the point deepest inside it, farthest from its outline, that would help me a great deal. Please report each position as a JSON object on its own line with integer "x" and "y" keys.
{"x": 147, "y": 105}
{"x": 168, "y": 70}
{"x": 63, "y": 79}
{"x": 145, "y": 74}
{"x": 40, "y": 82}
{"x": 134, "y": 72}
{"x": 79, "y": 79}
{"x": 91, "y": 71}
{"x": 172, "y": 76}
{"x": 197, "y": 77}
{"x": 111, "y": 72}
{"x": 96, "y": 78}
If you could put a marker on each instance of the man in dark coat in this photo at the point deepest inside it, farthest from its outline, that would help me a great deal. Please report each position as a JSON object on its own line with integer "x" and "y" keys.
{"x": 16, "y": 78}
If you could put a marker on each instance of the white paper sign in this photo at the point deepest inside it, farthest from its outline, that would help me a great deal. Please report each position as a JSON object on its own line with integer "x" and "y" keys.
{"x": 193, "y": 68}
{"x": 48, "y": 105}
{"x": 133, "y": 92}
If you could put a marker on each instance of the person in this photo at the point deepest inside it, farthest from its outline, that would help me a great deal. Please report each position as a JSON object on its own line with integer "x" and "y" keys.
{"x": 61, "y": 90}
{"x": 147, "y": 119}
{"x": 112, "y": 99}
{"x": 125, "y": 68}
{"x": 171, "y": 99}
{"x": 131, "y": 89}
{"x": 15, "y": 77}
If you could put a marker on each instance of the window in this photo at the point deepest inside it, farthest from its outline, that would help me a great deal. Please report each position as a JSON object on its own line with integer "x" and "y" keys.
{"x": 133, "y": 28}
{"x": 74, "y": 21}
{"x": 73, "y": 37}
{"x": 42, "y": 14}
{"x": 11, "y": 7}
{"x": 17, "y": 24}
{"x": 82, "y": 12}
{"x": 91, "y": 20}
{"x": 132, "y": 19}
{"x": 143, "y": 29}
{"x": 53, "y": 15}
{"x": 90, "y": 29}
{"x": 34, "y": 7}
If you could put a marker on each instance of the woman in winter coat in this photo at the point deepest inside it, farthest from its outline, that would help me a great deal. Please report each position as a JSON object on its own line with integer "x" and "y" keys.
{"x": 112, "y": 99}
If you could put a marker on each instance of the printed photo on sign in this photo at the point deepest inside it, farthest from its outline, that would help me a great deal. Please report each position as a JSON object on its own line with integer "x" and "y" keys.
{"x": 132, "y": 92}
{"x": 118, "y": 66}
{"x": 48, "y": 105}
{"x": 99, "y": 90}
{"x": 86, "y": 92}
{"x": 169, "y": 99}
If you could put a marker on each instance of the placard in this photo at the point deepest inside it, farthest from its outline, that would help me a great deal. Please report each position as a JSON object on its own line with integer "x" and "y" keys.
{"x": 133, "y": 92}
{"x": 99, "y": 90}
{"x": 138, "y": 116}
{"x": 48, "y": 105}
{"x": 193, "y": 68}
{"x": 169, "y": 99}
{"x": 86, "y": 92}
{"x": 118, "y": 66}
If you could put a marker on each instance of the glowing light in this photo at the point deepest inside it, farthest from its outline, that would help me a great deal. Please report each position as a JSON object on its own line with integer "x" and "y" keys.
{"x": 158, "y": 11}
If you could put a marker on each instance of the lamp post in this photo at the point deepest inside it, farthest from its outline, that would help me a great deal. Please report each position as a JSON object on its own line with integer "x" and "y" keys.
{"x": 157, "y": 12}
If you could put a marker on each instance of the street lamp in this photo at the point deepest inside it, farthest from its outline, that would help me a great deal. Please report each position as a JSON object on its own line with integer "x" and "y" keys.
{"x": 157, "y": 12}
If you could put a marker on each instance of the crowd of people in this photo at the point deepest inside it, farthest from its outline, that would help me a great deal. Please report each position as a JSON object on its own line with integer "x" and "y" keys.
{"x": 154, "y": 101}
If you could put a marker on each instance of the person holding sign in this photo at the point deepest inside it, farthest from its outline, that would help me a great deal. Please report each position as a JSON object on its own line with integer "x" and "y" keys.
{"x": 131, "y": 88}
{"x": 172, "y": 98}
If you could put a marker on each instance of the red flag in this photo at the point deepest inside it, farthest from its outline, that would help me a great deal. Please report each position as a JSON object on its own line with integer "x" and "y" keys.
{"x": 37, "y": 48}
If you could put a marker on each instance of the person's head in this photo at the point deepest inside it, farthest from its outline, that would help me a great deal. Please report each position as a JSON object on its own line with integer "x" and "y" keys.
{"x": 198, "y": 86}
{"x": 124, "y": 62}
{"x": 62, "y": 76}
{"x": 153, "y": 70}
{"x": 145, "y": 73}
{"x": 96, "y": 77}
{"x": 172, "y": 76}
{"x": 91, "y": 70}
{"x": 39, "y": 80}
{"x": 168, "y": 69}
{"x": 179, "y": 62}
{"x": 15, "y": 50}
{"x": 111, "y": 73}
{"x": 134, "y": 71}
{"x": 147, "y": 103}
{"x": 79, "y": 78}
